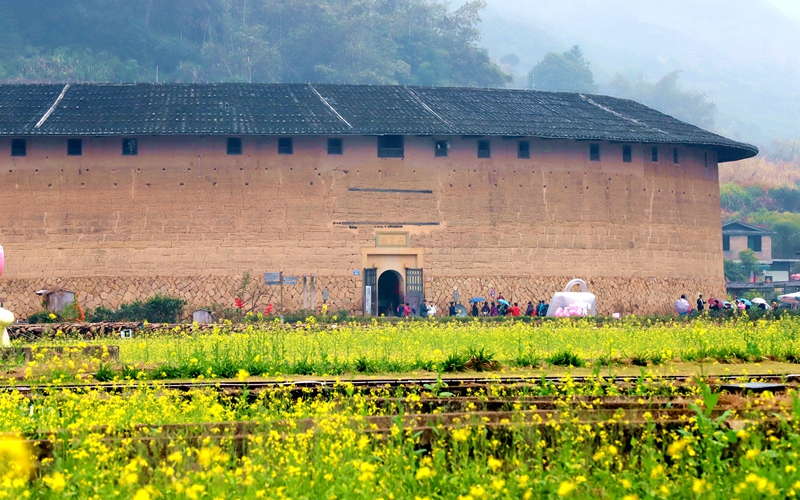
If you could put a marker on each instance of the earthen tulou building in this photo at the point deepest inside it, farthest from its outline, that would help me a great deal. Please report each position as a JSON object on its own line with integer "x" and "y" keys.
{"x": 383, "y": 193}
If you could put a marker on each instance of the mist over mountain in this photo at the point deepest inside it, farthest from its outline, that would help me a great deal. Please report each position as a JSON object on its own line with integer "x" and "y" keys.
{"x": 737, "y": 58}
{"x": 743, "y": 54}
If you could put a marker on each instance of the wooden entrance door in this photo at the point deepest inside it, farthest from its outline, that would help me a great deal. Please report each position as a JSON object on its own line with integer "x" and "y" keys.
{"x": 371, "y": 292}
{"x": 414, "y": 288}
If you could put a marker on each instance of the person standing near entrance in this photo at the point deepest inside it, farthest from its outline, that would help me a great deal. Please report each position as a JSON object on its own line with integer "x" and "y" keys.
{"x": 432, "y": 310}
{"x": 423, "y": 309}
{"x": 514, "y": 310}
{"x": 406, "y": 310}
{"x": 701, "y": 304}
{"x": 475, "y": 310}
{"x": 452, "y": 311}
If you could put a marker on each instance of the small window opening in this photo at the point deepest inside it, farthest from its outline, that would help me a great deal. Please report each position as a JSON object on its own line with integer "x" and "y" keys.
{"x": 524, "y": 149}
{"x": 654, "y": 152}
{"x": 74, "y": 147}
{"x": 334, "y": 146}
{"x": 390, "y": 146}
{"x": 130, "y": 147}
{"x": 441, "y": 148}
{"x": 484, "y": 150}
{"x": 234, "y": 145}
{"x": 675, "y": 157}
{"x": 627, "y": 157}
{"x": 285, "y": 146}
{"x": 754, "y": 243}
{"x": 726, "y": 243}
{"x": 594, "y": 152}
{"x": 19, "y": 147}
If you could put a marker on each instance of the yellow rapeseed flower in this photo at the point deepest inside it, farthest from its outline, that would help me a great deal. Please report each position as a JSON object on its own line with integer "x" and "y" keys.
{"x": 423, "y": 473}
{"x": 15, "y": 457}
{"x": 57, "y": 482}
{"x": 565, "y": 488}
{"x": 494, "y": 463}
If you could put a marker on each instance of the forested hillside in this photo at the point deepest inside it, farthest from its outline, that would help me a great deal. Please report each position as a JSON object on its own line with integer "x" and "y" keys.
{"x": 766, "y": 191}
{"x": 422, "y": 42}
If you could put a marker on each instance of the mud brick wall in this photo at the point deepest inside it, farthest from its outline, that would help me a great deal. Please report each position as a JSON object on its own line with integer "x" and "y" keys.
{"x": 185, "y": 219}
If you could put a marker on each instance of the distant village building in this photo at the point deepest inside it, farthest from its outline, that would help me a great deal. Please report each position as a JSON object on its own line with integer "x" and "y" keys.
{"x": 385, "y": 194}
{"x": 738, "y": 236}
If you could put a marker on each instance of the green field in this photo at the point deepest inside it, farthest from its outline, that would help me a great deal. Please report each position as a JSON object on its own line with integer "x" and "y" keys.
{"x": 591, "y": 437}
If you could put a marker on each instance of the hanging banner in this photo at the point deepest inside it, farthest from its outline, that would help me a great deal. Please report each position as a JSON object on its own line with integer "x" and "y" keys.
{"x": 367, "y": 300}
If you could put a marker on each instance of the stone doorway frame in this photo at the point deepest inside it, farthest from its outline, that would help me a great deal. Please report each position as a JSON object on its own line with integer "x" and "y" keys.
{"x": 396, "y": 259}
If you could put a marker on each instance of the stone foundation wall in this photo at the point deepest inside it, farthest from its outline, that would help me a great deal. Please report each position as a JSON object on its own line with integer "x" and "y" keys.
{"x": 623, "y": 295}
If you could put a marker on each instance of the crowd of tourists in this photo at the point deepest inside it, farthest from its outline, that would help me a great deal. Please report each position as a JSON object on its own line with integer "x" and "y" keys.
{"x": 501, "y": 307}
{"x": 684, "y": 308}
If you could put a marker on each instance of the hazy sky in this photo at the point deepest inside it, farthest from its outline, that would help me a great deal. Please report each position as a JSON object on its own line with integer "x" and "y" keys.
{"x": 790, "y": 7}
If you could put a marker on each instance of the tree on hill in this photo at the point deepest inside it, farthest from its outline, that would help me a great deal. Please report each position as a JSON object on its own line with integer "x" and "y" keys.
{"x": 421, "y": 42}
{"x": 567, "y": 72}
{"x": 668, "y": 96}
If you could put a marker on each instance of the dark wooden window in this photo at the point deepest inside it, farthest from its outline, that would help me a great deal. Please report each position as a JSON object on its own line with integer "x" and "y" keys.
{"x": 19, "y": 147}
{"x": 726, "y": 243}
{"x": 754, "y": 243}
{"x": 484, "y": 149}
{"x": 523, "y": 149}
{"x": 594, "y": 152}
{"x": 441, "y": 148}
{"x": 627, "y": 157}
{"x": 285, "y": 146}
{"x": 234, "y": 145}
{"x": 335, "y": 147}
{"x": 130, "y": 147}
{"x": 390, "y": 146}
{"x": 654, "y": 154}
{"x": 74, "y": 147}
{"x": 675, "y": 157}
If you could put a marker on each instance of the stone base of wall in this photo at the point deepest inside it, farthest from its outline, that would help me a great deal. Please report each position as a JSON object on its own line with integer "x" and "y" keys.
{"x": 641, "y": 296}
{"x": 623, "y": 295}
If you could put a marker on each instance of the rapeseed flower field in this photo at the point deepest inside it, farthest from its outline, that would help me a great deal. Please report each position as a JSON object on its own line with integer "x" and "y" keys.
{"x": 593, "y": 437}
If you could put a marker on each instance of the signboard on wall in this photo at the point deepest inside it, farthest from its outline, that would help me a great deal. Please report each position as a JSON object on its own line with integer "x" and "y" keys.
{"x": 393, "y": 239}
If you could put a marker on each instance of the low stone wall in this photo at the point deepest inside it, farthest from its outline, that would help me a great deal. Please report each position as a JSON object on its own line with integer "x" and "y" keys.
{"x": 641, "y": 295}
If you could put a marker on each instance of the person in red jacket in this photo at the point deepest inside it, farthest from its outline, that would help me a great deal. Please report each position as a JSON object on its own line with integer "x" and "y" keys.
{"x": 514, "y": 310}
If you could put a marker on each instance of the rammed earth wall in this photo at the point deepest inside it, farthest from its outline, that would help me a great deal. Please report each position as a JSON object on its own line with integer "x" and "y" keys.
{"x": 185, "y": 219}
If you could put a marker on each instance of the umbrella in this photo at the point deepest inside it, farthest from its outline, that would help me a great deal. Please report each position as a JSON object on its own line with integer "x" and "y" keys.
{"x": 794, "y": 277}
{"x": 504, "y": 301}
{"x": 790, "y": 298}
{"x": 713, "y": 301}
{"x": 461, "y": 310}
{"x": 727, "y": 305}
{"x": 477, "y": 299}
{"x": 759, "y": 300}
{"x": 682, "y": 306}
{"x": 746, "y": 302}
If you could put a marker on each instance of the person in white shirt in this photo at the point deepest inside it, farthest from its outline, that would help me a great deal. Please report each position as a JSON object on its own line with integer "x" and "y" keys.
{"x": 431, "y": 309}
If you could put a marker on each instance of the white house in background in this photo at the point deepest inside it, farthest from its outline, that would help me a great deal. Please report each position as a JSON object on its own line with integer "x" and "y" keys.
{"x": 738, "y": 236}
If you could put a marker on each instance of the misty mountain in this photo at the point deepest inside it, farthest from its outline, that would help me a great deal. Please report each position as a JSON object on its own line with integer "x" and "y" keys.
{"x": 741, "y": 53}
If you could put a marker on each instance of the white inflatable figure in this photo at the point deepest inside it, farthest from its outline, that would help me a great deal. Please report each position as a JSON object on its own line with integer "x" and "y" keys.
{"x": 569, "y": 304}
{"x": 6, "y": 316}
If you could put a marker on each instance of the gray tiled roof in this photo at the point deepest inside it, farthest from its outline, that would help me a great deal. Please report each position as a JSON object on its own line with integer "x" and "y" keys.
{"x": 736, "y": 228}
{"x": 304, "y": 109}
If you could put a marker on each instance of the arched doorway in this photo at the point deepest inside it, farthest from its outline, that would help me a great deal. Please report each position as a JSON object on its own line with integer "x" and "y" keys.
{"x": 390, "y": 292}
